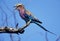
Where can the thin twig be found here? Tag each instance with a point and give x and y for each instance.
(46, 37)
(58, 38)
(14, 17)
(25, 26)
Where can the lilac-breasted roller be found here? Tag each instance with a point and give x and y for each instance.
(28, 17)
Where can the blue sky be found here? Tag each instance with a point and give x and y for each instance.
(47, 11)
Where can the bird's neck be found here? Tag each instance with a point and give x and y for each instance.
(22, 11)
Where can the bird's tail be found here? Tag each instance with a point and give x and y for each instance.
(44, 28)
(36, 20)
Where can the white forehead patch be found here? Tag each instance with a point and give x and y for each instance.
(18, 4)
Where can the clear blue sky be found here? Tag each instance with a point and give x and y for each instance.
(47, 11)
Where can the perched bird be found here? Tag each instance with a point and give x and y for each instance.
(27, 16)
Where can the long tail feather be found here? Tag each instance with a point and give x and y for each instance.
(44, 28)
(36, 20)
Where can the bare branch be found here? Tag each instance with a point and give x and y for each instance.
(58, 38)
(46, 37)
(14, 30)
(11, 30)
(27, 24)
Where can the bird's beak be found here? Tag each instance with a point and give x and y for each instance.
(15, 7)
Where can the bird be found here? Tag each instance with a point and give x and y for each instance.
(27, 16)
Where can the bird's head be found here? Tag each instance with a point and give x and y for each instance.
(19, 6)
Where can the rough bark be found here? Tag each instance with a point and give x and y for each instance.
(11, 30)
